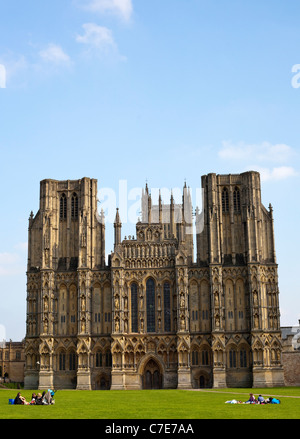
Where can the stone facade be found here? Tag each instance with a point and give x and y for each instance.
(12, 361)
(153, 317)
(291, 355)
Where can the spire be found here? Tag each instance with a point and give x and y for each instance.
(117, 219)
(172, 218)
(149, 208)
(271, 209)
(118, 228)
(172, 198)
(159, 207)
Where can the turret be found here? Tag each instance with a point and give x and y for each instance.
(118, 228)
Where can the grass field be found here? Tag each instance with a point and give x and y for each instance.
(155, 404)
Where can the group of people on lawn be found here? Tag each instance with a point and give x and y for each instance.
(253, 400)
(45, 398)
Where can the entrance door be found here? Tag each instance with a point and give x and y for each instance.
(152, 378)
(202, 382)
(102, 383)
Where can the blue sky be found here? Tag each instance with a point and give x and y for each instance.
(137, 89)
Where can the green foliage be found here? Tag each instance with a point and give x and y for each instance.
(155, 404)
(13, 385)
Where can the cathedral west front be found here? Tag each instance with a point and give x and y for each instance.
(166, 310)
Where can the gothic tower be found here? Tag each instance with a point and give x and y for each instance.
(237, 244)
(66, 243)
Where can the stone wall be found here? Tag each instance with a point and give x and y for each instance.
(291, 368)
(291, 355)
(12, 361)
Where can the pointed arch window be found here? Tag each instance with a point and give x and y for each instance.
(225, 200)
(62, 361)
(205, 358)
(236, 200)
(99, 359)
(63, 207)
(243, 358)
(150, 298)
(134, 308)
(72, 361)
(74, 206)
(232, 358)
(167, 307)
(108, 359)
(195, 358)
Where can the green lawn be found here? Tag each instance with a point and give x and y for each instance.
(155, 404)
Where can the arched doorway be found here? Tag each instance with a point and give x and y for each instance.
(202, 380)
(102, 383)
(152, 377)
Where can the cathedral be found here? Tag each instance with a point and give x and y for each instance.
(190, 301)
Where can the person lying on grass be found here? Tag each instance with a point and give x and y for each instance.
(252, 400)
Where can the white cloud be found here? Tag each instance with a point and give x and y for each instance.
(272, 161)
(279, 153)
(278, 173)
(96, 36)
(43, 62)
(54, 54)
(14, 65)
(99, 41)
(120, 8)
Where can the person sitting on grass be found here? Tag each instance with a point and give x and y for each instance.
(48, 398)
(251, 399)
(19, 399)
(33, 399)
(44, 398)
(261, 400)
(39, 399)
